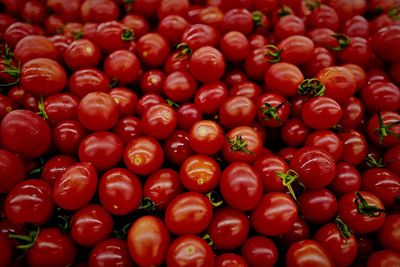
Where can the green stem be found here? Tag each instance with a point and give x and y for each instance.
(273, 53)
(312, 87)
(215, 199)
(147, 204)
(366, 209)
(343, 41)
(385, 130)
(41, 107)
(271, 112)
(287, 179)
(238, 144)
(30, 239)
(373, 163)
(344, 230)
(184, 51)
(206, 237)
(127, 35)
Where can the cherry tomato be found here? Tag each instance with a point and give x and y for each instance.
(391, 159)
(296, 49)
(234, 46)
(188, 114)
(206, 137)
(177, 147)
(210, 96)
(179, 86)
(347, 179)
(67, 136)
(384, 258)
(318, 206)
(354, 146)
(128, 128)
(152, 49)
(110, 252)
(82, 53)
(230, 260)
(122, 66)
(260, 251)
(237, 111)
(326, 140)
(308, 253)
(159, 121)
(298, 232)
(383, 128)
(209, 58)
(283, 78)
(6, 248)
(273, 110)
(269, 167)
(87, 80)
(34, 46)
(321, 113)
(55, 167)
(385, 42)
(12, 170)
(60, 107)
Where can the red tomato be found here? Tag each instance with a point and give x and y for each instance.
(260, 251)
(318, 206)
(209, 58)
(273, 110)
(82, 53)
(67, 136)
(308, 253)
(387, 234)
(237, 111)
(269, 167)
(283, 78)
(179, 86)
(326, 140)
(159, 121)
(296, 49)
(110, 252)
(384, 258)
(88, 80)
(383, 128)
(230, 260)
(298, 232)
(6, 248)
(122, 66)
(206, 137)
(177, 147)
(12, 170)
(321, 113)
(55, 167)
(385, 42)
(152, 49)
(347, 179)
(34, 46)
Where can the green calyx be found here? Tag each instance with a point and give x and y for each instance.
(184, 51)
(147, 204)
(312, 87)
(273, 53)
(41, 107)
(371, 162)
(287, 179)
(238, 144)
(28, 240)
(215, 199)
(344, 230)
(271, 112)
(127, 35)
(343, 41)
(385, 129)
(366, 209)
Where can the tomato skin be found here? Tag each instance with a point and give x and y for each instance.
(87, 80)
(384, 258)
(67, 136)
(347, 179)
(177, 147)
(200, 173)
(321, 113)
(54, 167)
(289, 25)
(152, 49)
(373, 126)
(159, 121)
(76, 186)
(122, 66)
(209, 58)
(260, 251)
(60, 107)
(34, 46)
(354, 146)
(16, 31)
(148, 241)
(353, 113)
(274, 215)
(315, 167)
(240, 179)
(200, 35)
(188, 213)
(82, 53)
(237, 111)
(283, 78)
(98, 11)
(387, 234)
(90, 225)
(119, 191)
(190, 250)
(6, 249)
(296, 49)
(206, 137)
(162, 187)
(12, 170)
(323, 16)
(179, 86)
(256, 64)
(268, 166)
(298, 232)
(326, 140)
(126, 100)
(151, 81)
(110, 252)
(143, 155)
(318, 206)
(25, 133)
(385, 42)
(308, 253)
(246, 88)
(210, 96)
(172, 27)
(381, 96)
(357, 221)
(234, 46)
(392, 159)
(230, 260)
(29, 202)
(102, 149)
(188, 114)
(228, 222)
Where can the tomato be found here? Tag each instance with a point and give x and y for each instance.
(354, 146)
(361, 211)
(289, 25)
(98, 111)
(260, 251)
(356, 26)
(177, 147)
(122, 66)
(90, 225)
(151, 81)
(161, 187)
(126, 100)
(200, 35)
(228, 222)
(102, 149)
(391, 159)
(188, 213)
(269, 167)
(6, 248)
(382, 183)
(29, 202)
(16, 31)
(315, 167)
(143, 155)
(112, 36)
(353, 113)
(168, 7)
(259, 61)
(246, 88)
(87, 80)
(321, 113)
(323, 16)
(283, 78)
(387, 233)
(236, 111)
(294, 132)
(82, 53)
(179, 86)
(318, 206)
(190, 250)
(298, 232)
(119, 191)
(234, 46)
(172, 27)
(12, 170)
(55, 167)
(328, 141)
(240, 179)
(320, 58)
(60, 107)
(384, 258)
(152, 49)
(383, 128)
(98, 10)
(34, 46)
(273, 110)
(347, 179)
(381, 96)
(206, 137)
(308, 253)
(67, 136)
(188, 114)
(76, 186)
(230, 260)
(296, 49)
(209, 58)
(359, 74)
(110, 252)
(148, 241)
(385, 42)
(274, 214)
(159, 121)
(200, 173)
(25, 133)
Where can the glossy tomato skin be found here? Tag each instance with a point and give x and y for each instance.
(206, 137)
(159, 121)
(283, 78)
(110, 252)
(188, 213)
(188, 114)
(152, 49)
(210, 96)
(87, 80)
(274, 215)
(296, 49)
(387, 233)
(172, 27)
(128, 128)
(122, 66)
(384, 258)
(60, 107)
(268, 167)
(82, 53)
(347, 179)
(381, 96)
(230, 260)
(308, 253)
(373, 127)
(326, 140)
(321, 113)
(67, 136)
(112, 35)
(260, 251)
(143, 155)
(126, 100)
(209, 58)
(90, 225)
(237, 111)
(76, 186)
(318, 206)
(6, 248)
(190, 250)
(179, 86)
(12, 170)
(315, 167)
(25, 133)
(102, 149)
(54, 167)
(29, 202)
(294, 132)
(299, 231)
(162, 187)
(148, 241)
(200, 173)
(392, 159)
(177, 147)
(351, 215)
(385, 41)
(273, 110)
(234, 46)
(34, 46)
(241, 186)
(151, 81)
(228, 222)
(200, 35)
(354, 146)
(119, 191)
(353, 113)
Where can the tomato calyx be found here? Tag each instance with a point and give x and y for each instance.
(184, 51)
(366, 209)
(7, 54)
(343, 41)
(372, 162)
(311, 5)
(42, 111)
(127, 35)
(123, 232)
(284, 11)
(385, 129)
(238, 145)
(272, 52)
(394, 13)
(147, 204)
(257, 17)
(28, 240)
(13, 71)
(312, 87)
(206, 237)
(37, 171)
(344, 230)
(215, 199)
(77, 35)
(271, 112)
(172, 103)
(287, 179)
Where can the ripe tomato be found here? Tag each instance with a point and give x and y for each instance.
(188, 213)
(361, 211)
(294, 132)
(148, 241)
(60, 107)
(260, 251)
(119, 191)
(298, 232)
(152, 49)
(385, 42)
(273, 110)
(269, 167)
(392, 158)
(12, 170)
(210, 96)
(6, 248)
(321, 112)
(34, 46)
(67, 136)
(87, 80)
(179, 86)
(82, 53)
(308, 253)
(354, 146)
(200, 35)
(328, 141)
(76, 186)
(283, 78)
(237, 111)
(177, 147)
(159, 121)
(122, 66)
(209, 58)
(172, 27)
(381, 96)
(347, 179)
(230, 260)
(206, 137)
(234, 46)
(387, 234)
(200, 173)
(318, 206)
(188, 114)
(126, 100)
(110, 252)
(384, 258)
(383, 128)
(151, 81)
(296, 49)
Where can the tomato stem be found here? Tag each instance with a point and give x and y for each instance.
(29, 239)
(287, 179)
(147, 204)
(42, 111)
(311, 87)
(127, 35)
(343, 41)
(271, 112)
(206, 237)
(172, 103)
(215, 199)
(284, 11)
(385, 130)
(273, 52)
(13, 71)
(239, 145)
(184, 51)
(344, 230)
(394, 13)
(257, 17)
(77, 34)
(371, 162)
(366, 209)
(121, 233)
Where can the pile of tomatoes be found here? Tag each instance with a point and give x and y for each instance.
(226, 133)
